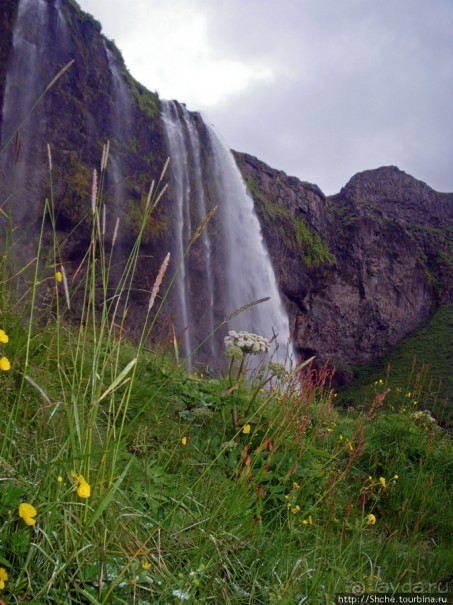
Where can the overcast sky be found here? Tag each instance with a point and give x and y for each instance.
(321, 89)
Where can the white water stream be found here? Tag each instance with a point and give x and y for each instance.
(39, 38)
(119, 132)
(241, 255)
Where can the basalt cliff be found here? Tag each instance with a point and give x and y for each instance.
(360, 269)
(357, 271)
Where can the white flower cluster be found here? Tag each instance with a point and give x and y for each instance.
(424, 418)
(245, 342)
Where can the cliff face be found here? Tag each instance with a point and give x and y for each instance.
(75, 117)
(95, 101)
(358, 270)
(361, 269)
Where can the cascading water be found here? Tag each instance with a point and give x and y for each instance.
(186, 176)
(119, 128)
(119, 132)
(39, 37)
(249, 272)
(237, 268)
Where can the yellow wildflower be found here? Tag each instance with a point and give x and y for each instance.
(5, 364)
(4, 338)
(146, 565)
(296, 485)
(83, 488)
(3, 577)
(27, 512)
(59, 276)
(330, 430)
(350, 448)
(295, 509)
(184, 440)
(246, 429)
(382, 481)
(371, 519)
(308, 521)
(60, 479)
(395, 476)
(341, 437)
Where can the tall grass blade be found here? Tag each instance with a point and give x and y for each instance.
(105, 501)
(118, 380)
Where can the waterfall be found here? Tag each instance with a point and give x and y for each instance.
(119, 128)
(236, 266)
(249, 272)
(225, 268)
(39, 42)
(188, 192)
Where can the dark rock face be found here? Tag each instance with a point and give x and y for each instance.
(8, 11)
(400, 196)
(375, 258)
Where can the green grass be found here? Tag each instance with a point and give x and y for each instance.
(417, 370)
(265, 517)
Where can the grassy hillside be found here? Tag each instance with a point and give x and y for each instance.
(418, 370)
(124, 479)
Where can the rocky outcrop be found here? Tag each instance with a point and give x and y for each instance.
(361, 269)
(400, 196)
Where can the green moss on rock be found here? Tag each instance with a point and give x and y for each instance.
(293, 232)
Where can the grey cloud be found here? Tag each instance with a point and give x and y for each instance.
(357, 84)
(371, 85)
